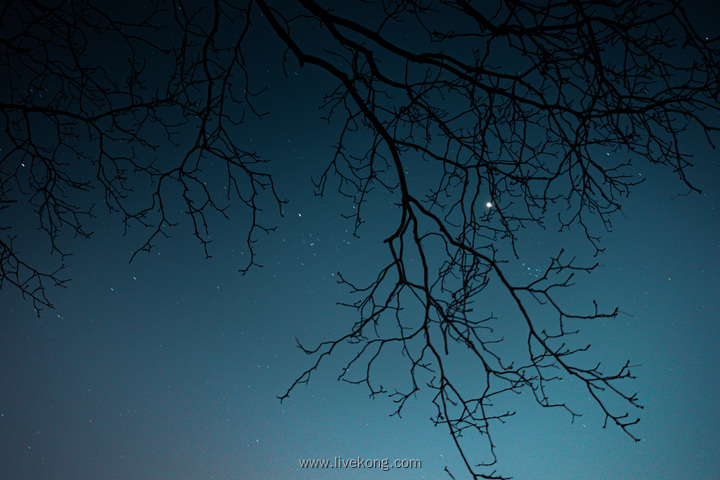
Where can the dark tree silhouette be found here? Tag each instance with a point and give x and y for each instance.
(519, 114)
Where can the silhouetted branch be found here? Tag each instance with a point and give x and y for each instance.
(518, 114)
(479, 119)
(145, 112)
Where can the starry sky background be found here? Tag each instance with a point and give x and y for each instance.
(169, 367)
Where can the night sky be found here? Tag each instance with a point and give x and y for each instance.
(169, 367)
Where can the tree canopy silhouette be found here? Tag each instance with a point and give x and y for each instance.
(520, 114)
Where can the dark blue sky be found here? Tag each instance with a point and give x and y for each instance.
(169, 367)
